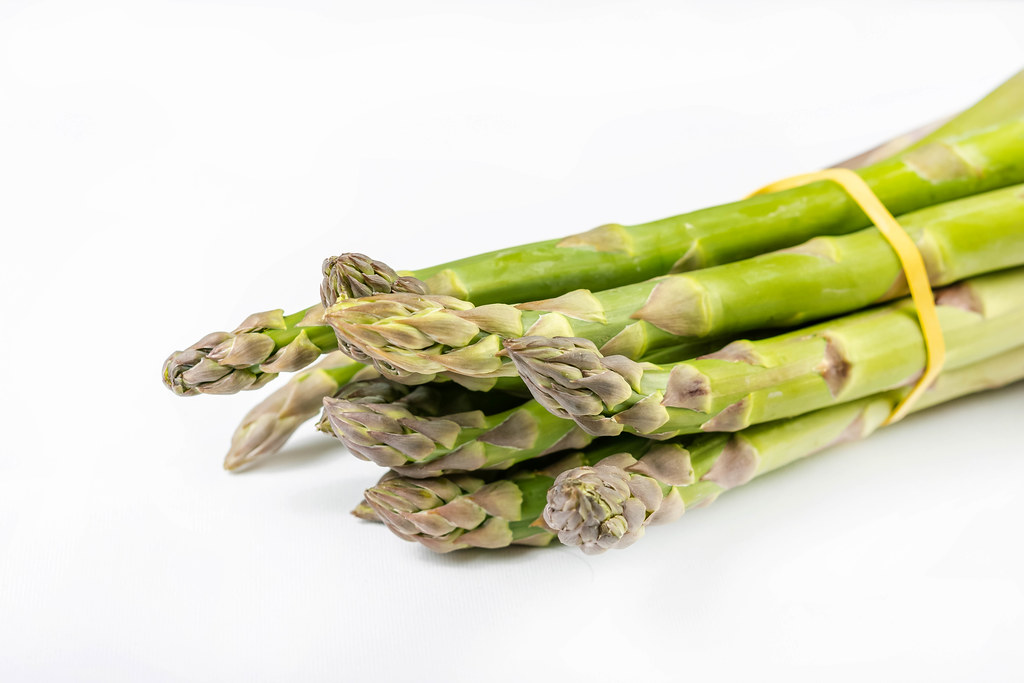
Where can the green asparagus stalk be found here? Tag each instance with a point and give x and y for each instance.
(614, 255)
(253, 354)
(425, 401)
(609, 505)
(1003, 104)
(393, 435)
(751, 382)
(478, 510)
(266, 428)
(826, 276)
(271, 342)
(606, 495)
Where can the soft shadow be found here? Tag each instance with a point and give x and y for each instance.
(295, 456)
(478, 557)
(336, 497)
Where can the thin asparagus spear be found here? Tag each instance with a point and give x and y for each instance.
(610, 504)
(478, 510)
(750, 382)
(270, 423)
(826, 276)
(352, 275)
(414, 445)
(464, 511)
(1003, 104)
(614, 255)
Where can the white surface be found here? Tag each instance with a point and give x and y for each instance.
(167, 168)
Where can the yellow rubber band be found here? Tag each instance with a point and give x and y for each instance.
(913, 267)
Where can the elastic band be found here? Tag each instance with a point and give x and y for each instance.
(913, 267)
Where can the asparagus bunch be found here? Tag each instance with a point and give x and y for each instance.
(655, 355)
(419, 335)
(605, 257)
(748, 382)
(606, 495)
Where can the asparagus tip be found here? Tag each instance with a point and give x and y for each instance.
(572, 379)
(600, 507)
(352, 275)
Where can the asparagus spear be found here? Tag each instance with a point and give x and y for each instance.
(614, 255)
(589, 493)
(416, 445)
(477, 510)
(824, 277)
(425, 401)
(610, 504)
(270, 423)
(1003, 104)
(750, 382)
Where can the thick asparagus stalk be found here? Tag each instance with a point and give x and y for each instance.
(478, 510)
(1003, 104)
(610, 504)
(269, 425)
(614, 255)
(751, 382)
(824, 277)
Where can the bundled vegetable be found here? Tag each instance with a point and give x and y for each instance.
(606, 257)
(418, 335)
(588, 387)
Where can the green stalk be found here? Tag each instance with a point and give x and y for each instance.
(615, 255)
(1003, 104)
(827, 276)
(610, 505)
(749, 382)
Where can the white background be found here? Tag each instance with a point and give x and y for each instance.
(168, 167)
